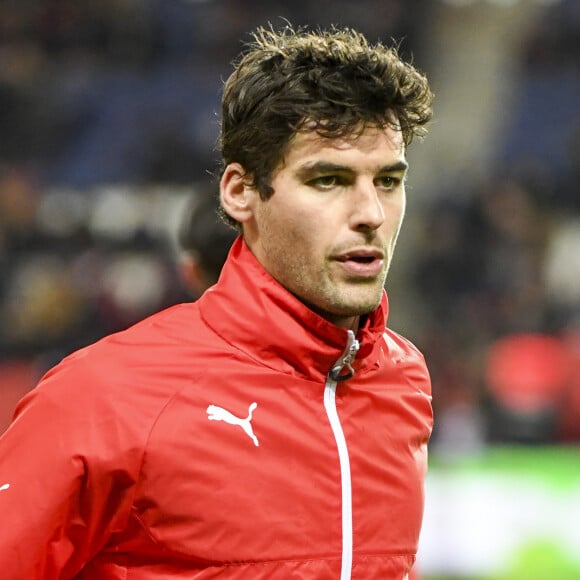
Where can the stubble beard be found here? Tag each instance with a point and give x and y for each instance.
(344, 298)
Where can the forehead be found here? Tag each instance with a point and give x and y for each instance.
(384, 144)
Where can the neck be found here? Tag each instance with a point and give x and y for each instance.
(349, 322)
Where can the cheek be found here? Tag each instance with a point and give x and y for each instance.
(296, 223)
(283, 238)
(394, 214)
(299, 243)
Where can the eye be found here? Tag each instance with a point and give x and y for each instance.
(388, 182)
(326, 181)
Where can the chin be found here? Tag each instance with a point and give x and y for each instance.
(357, 309)
(350, 301)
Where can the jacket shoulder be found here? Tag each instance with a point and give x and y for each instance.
(126, 374)
(403, 353)
(401, 347)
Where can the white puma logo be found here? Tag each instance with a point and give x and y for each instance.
(4, 487)
(218, 414)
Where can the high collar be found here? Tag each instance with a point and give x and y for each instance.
(255, 314)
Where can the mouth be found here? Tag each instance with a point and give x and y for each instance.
(362, 256)
(362, 263)
(359, 259)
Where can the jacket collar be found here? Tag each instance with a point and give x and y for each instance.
(255, 314)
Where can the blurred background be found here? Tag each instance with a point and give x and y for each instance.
(109, 116)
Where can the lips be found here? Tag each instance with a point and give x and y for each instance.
(362, 255)
(362, 262)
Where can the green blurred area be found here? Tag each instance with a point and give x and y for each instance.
(552, 474)
(558, 466)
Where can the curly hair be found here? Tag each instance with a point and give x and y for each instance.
(330, 81)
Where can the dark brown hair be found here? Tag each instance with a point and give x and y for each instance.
(331, 81)
(203, 234)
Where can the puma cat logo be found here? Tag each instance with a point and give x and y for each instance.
(218, 414)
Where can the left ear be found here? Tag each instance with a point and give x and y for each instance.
(235, 194)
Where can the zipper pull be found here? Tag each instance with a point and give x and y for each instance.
(338, 372)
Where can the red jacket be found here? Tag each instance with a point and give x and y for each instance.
(210, 441)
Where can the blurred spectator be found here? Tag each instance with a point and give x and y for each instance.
(553, 44)
(204, 240)
(527, 375)
(562, 270)
(568, 422)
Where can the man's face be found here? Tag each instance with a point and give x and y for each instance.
(328, 232)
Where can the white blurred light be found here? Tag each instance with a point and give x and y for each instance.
(562, 263)
(135, 282)
(61, 212)
(117, 213)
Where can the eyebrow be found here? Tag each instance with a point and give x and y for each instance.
(324, 167)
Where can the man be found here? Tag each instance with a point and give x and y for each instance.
(204, 242)
(274, 428)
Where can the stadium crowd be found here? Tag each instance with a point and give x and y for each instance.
(107, 128)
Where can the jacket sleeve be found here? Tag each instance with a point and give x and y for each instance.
(67, 477)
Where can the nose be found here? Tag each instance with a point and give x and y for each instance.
(367, 212)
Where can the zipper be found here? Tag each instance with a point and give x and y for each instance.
(346, 359)
(335, 376)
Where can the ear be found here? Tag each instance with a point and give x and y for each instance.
(235, 194)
